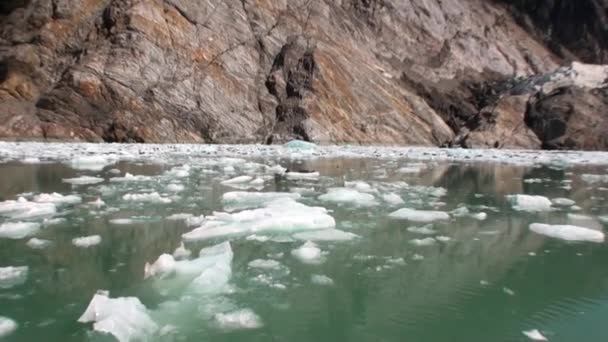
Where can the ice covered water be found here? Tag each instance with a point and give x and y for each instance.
(301, 243)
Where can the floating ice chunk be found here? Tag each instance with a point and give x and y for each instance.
(265, 264)
(603, 218)
(576, 208)
(257, 181)
(420, 215)
(98, 203)
(122, 221)
(279, 215)
(308, 253)
(592, 179)
(36, 243)
(30, 160)
(150, 197)
(23, 208)
(217, 271)
(18, 230)
(86, 241)
(130, 178)
(443, 238)
(238, 180)
(12, 276)
(423, 242)
(181, 252)
(229, 169)
(409, 169)
(535, 335)
(255, 237)
(392, 199)
(300, 145)
(302, 175)
(568, 232)
(276, 169)
(237, 200)
(125, 318)
(417, 257)
(174, 187)
(508, 291)
(326, 235)
(349, 196)
(180, 216)
(530, 203)
(7, 326)
(91, 163)
(322, 280)
(579, 217)
(83, 180)
(179, 172)
(195, 220)
(163, 266)
(359, 186)
(57, 198)
(424, 230)
(239, 319)
(564, 202)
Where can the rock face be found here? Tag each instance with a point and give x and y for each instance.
(425, 72)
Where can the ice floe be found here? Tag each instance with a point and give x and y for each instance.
(563, 202)
(163, 266)
(423, 242)
(181, 252)
(267, 264)
(179, 216)
(36, 243)
(325, 235)
(125, 318)
(464, 212)
(592, 179)
(300, 145)
(320, 279)
(22, 208)
(150, 197)
(349, 196)
(530, 203)
(91, 163)
(237, 200)
(568, 232)
(7, 326)
(18, 230)
(57, 198)
(239, 319)
(424, 230)
(534, 335)
(86, 241)
(238, 180)
(130, 178)
(302, 175)
(284, 215)
(174, 187)
(83, 180)
(392, 199)
(308, 253)
(11, 276)
(420, 215)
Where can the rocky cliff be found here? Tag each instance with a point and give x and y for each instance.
(479, 73)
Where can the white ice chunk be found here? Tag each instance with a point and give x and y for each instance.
(150, 197)
(122, 221)
(30, 160)
(423, 242)
(603, 218)
(267, 264)
(86, 241)
(392, 199)
(529, 203)
(130, 178)
(18, 230)
(36, 243)
(302, 175)
(257, 181)
(217, 271)
(464, 211)
(179, 172)
(11, 276)
(7, 326)
(568, 232)
(238, 180)
(179, 216)
(181, 252)
(239, 319)
(163, 266)
(23, 208)
(320, 279)
(349, 196)
(564, 202)
(174, 187)
(57, 198)
(592, 179)
(237, 200)
(326, 235)
(83, 180)
(424, 230)
(98, 203)
(300, 145)
(535, 335)
(308, 253)
(420, 215)
(359, 186)
(195, 220)
(279, 215)
(126, 318)
(443, 238)
(91, 163)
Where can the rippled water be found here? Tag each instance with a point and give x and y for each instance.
(466, 279)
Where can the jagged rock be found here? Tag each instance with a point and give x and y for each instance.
(422, 72)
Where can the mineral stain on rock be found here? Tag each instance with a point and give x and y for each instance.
(472, 73)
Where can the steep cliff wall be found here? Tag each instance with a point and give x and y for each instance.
(330, 71)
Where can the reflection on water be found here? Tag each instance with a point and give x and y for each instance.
(490, 281)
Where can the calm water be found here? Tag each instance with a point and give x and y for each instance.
(490, 281)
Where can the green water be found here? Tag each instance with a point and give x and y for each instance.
(492, 280)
